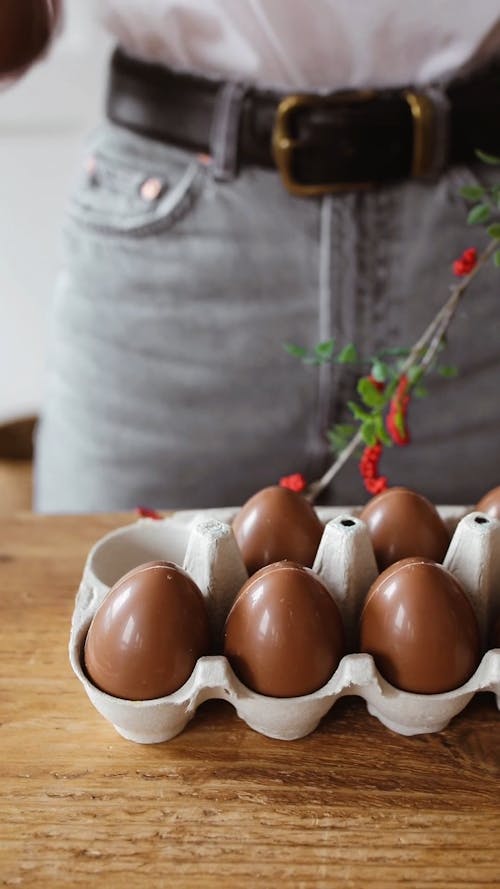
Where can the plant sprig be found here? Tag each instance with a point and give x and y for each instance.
(323, 353)
(486, 201)
(376, 389)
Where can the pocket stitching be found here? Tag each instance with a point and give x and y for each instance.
(140, 223)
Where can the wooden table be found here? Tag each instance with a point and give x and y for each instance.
(220, 805)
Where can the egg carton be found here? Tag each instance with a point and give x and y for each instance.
(204, 545)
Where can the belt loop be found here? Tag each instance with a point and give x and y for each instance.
(441, 142)
(224, 132)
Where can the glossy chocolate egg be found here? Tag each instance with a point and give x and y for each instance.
(277, 523)
(420, 627)
(284, 634)
(403, 523)
(147, 634)
(490, 503)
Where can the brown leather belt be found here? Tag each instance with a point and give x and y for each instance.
(319, 143)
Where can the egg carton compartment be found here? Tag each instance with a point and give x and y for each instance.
(203, 544)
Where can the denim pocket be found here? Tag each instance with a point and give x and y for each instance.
(132, 186)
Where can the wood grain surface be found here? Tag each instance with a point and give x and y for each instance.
(352, 805)
(16, 485)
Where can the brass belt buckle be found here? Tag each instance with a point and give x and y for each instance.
(284, 144)
(422, 113)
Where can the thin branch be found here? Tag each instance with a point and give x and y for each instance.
(450, 307)
(314, 489)
(428, 344)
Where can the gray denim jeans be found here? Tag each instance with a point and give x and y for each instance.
(168, 384)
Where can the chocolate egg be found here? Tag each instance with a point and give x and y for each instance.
(403, 523)
(147, 634)
(284, 634)
(490, 503)
(420, 627)
(277, 523)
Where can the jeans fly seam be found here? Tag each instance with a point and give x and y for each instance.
(325, 308)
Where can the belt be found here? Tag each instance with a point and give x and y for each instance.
(319, 143)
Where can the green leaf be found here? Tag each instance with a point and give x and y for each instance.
(472, 192)
(496, 259)
(479, 213)
(448, 370)
(358, 411)
(487, 158)
(369, 393)
(420, 392)
(380, 371)
(381, 431)
(494, 231)
(345, 430)
(324, 350)
(399, 422)
(340, 435)
(368, 432)
(393, 351)
(415, 374)
(295, 351)
(311, 360)
(348, 355)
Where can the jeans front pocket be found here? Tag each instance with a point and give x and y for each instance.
(131, 186)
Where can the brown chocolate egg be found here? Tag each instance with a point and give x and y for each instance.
(147, 634)
(420, 628)
(284, 635)
(277, 523)
(490, 503)
(403, 523)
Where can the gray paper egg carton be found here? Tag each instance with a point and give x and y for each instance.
(204, 544)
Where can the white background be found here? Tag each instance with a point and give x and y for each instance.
(43, 118)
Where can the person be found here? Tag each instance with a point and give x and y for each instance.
(194, 252)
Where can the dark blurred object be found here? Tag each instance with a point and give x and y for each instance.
(26, 29)
(16, 439)
(16, 468)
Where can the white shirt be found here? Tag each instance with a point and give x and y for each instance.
(313, 44)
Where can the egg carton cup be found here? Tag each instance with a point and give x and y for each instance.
(204, 545)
